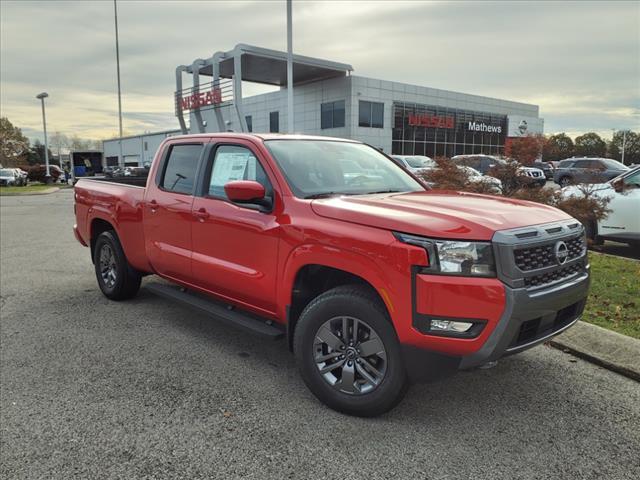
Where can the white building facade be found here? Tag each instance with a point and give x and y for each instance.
(395, 117)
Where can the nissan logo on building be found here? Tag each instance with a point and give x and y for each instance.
(523, 127)
(562, 252)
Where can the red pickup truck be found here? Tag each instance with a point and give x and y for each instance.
(375, 280)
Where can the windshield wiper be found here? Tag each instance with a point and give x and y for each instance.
(323, 195)
(382, 191)
(328, 194)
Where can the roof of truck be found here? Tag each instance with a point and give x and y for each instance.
(262, 136)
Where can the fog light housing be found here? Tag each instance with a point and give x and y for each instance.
(450, 326)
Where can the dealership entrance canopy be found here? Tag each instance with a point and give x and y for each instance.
(249, 64)
(396, 117)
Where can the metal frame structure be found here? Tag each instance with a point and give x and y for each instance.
(252, 64)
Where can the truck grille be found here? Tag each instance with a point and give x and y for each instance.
(535, 257)
(554, 276)
(541, 256)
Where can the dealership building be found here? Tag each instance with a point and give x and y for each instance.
(329, 100)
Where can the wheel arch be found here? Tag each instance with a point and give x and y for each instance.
(97, 226)
(318, 270)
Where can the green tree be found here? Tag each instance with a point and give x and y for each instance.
(36, 154)
(590, 145)
(631, 147)
(557, 147)
(14, 146)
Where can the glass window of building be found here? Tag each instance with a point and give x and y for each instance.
(441, 131)
(332, 114)
(274, 122)
(371, 114)
(249, 121)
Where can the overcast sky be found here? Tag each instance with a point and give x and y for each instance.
(580, 61)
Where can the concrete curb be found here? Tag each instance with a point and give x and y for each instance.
(41, 192)
(603, 347)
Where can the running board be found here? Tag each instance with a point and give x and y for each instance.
(225, 313)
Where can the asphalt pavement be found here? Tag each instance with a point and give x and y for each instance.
(146, 389)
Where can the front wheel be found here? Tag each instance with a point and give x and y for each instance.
(116, 278)
(348, 353)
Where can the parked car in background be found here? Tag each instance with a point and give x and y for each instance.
(109, 171)
(622, 223)
(587, 170)
(9, 177)
(415, 163)
(484, 164)
(476, 177)
(37, 173)
(547, 168)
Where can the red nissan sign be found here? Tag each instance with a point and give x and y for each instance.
(431, 121)
(202, 99)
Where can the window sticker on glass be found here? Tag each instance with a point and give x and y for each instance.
(230, 166)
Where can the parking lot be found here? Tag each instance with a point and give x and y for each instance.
(148, 389)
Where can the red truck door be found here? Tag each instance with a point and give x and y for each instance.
(235, 247)
(167, 210)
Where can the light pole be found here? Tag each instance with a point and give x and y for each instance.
(115, 12)
(47, 175)
(289, 69)
(624, 142)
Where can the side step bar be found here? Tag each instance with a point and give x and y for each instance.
(225, 313)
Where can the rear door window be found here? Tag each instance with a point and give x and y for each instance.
(180, 168)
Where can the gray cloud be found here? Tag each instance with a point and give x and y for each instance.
(580, 61)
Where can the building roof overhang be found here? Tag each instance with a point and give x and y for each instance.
(266, 66)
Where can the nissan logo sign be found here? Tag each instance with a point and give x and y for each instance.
(562, 252)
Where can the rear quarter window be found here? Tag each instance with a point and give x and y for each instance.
(180, 168)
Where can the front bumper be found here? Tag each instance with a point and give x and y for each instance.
(529, 318)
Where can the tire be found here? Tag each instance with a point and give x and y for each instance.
(366, 394)
(116, 278)
(565, 181)
(591, 231)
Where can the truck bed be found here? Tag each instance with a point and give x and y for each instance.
(118, 203)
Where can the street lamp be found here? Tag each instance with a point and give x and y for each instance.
(47, 175)
(624, 141)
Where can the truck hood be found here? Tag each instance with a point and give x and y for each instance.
(440, 214)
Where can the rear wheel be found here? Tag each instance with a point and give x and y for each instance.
(565, 181)
(348, 353)
(116, 278)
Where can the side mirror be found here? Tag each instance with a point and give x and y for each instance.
(247, 191)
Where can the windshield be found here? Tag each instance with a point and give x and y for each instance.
(614, 164)
(324, 167)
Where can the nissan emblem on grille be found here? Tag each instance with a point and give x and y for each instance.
(562, 252)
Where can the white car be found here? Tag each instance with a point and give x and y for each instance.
(622, 224)
(484, 163)
(415, 163)
(10, 177)
(476, 177)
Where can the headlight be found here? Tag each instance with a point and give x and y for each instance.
(453, 257)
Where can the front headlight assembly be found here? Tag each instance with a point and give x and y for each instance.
(454, 257)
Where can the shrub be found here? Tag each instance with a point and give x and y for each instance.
(584, 206)
(448, 176)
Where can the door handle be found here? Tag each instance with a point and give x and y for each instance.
(201, 214)
(153, 206)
